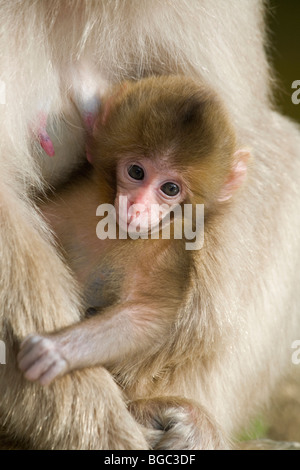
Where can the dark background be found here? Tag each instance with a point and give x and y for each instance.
(283, 20)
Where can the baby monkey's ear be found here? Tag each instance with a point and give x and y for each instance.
(237, 174)
(109, 103)
(95, 121)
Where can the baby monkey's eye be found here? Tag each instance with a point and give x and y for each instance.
(170, 189)
(136, 172)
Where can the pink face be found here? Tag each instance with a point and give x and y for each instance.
(151, 191)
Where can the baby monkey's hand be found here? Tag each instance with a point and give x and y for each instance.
(40, 359)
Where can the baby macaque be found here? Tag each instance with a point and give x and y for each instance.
(158, 144)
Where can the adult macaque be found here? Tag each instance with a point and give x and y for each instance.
(242, 312)
(161, 143)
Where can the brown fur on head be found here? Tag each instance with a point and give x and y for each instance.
(171, 119)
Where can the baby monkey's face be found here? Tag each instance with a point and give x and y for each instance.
(151, 191)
